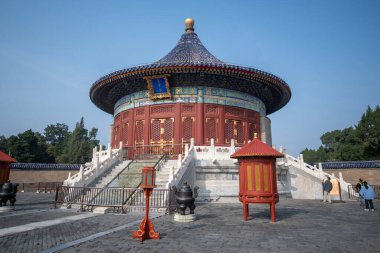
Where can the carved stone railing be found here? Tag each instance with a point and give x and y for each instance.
(317, 172)
(183, 165)
(192, 153)
(213, 152)
(102, 161)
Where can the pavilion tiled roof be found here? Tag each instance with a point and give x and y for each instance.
(6, 158)
(189, 50)
(256, 148)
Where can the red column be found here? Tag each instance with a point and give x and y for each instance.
(199, 124)
(246, 126)
(146, 124)
(177, 124)
(222, 125)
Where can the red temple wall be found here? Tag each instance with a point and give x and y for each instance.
(177, 123)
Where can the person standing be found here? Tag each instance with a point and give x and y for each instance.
(368, 195)
(357, 189)
(327, 187)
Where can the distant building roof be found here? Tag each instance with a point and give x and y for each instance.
(6, 158)
(351, 165)
(44, 166)
(256, 148)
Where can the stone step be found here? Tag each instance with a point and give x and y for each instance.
(163, 178)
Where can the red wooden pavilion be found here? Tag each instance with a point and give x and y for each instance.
(5, 160)
(257, 175)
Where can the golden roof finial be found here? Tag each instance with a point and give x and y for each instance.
(255, 136)
(189, 23)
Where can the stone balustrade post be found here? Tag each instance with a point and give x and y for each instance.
(171, 174)
(302, 165)
(186, 150)
(232, 148)
(94, 150)
(191, 142)
(340, 177)
(81, 174)
(212, 149)
(320, 170)
(179, 163)
(97, 165)
(109, 151)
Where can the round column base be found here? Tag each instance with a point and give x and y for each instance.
(5, 209)
(185, 218)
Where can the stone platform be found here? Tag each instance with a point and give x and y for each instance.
(302, 226)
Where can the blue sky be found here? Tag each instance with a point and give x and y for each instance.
(327, 51)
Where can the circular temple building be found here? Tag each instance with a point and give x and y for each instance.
(189, 93)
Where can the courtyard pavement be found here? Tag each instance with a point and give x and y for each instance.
(302, 226)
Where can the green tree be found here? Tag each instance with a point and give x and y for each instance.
(368, 132)
(78, 145)
(55, 136)
(361, 142)
(56, 133)
(29, 147)
(4, 144)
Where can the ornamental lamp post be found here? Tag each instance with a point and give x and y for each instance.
(146, 228)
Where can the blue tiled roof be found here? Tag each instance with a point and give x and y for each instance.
(44, 166)
(190, 61)
(351, 165)
(189, 50)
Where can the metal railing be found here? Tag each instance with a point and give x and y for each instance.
(159, 164)
(120, 200)
(354, 195)
(108, 196)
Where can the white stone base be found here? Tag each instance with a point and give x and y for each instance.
(4, 209)
(100, 209)
(184, 218)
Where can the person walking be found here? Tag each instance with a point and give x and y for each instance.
(368, 195)
(357, 189)
(327, 187)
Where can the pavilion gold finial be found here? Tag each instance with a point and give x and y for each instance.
(189, 23)
(255, 136)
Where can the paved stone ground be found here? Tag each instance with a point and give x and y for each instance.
(302, 226)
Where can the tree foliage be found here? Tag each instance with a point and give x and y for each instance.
(361, 142)
(55, 136)
(78, 145)
(57, 144)
(29, 147)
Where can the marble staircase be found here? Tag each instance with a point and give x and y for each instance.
(162, 175)
(107, 178)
